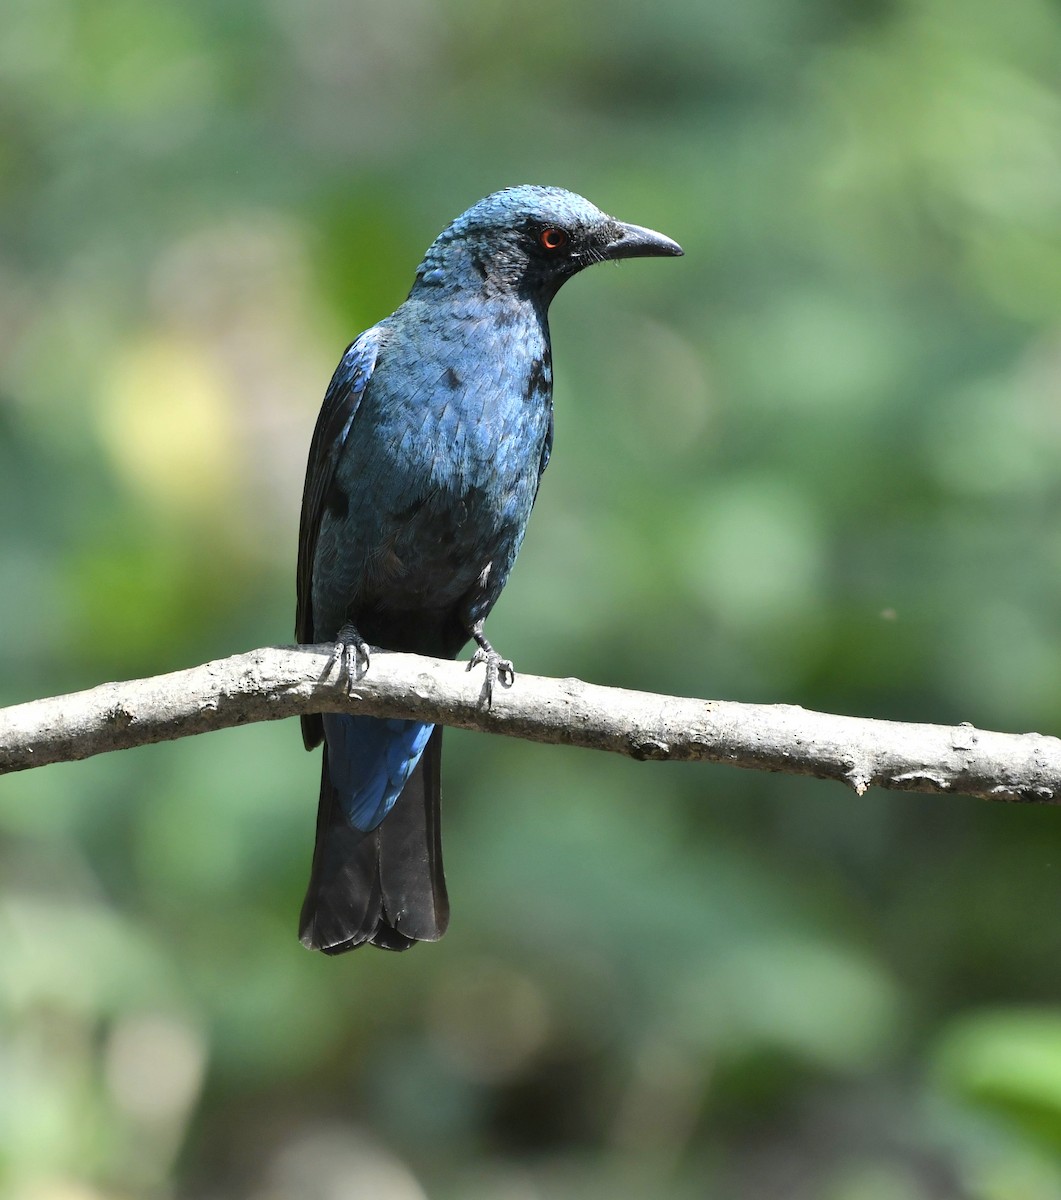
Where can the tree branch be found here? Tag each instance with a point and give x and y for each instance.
(276, 682)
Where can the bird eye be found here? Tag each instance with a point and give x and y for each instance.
(552, 239)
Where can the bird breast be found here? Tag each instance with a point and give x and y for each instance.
(442, 464)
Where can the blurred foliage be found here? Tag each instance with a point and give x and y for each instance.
(815, 461)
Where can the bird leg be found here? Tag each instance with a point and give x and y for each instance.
(498, 669)
(350, 652)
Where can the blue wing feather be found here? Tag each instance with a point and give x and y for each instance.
(369, 760)
(341, 404)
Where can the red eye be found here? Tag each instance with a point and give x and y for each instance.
(552, 239)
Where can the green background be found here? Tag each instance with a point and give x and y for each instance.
(816, 461)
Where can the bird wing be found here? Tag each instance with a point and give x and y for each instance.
(547, 451)
(341, 402)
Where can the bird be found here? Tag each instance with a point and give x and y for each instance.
(423, 468)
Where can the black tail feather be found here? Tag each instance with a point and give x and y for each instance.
(386, 887)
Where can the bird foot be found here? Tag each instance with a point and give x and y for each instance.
(498, 669)
(350, 653)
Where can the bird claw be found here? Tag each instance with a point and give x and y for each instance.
(350, 653)
(498, 670)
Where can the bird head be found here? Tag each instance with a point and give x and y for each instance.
(527, 241)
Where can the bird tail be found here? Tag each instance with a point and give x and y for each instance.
(377, 872)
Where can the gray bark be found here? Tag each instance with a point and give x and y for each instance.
(275, 682)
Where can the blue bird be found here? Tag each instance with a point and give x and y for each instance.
(423, 469)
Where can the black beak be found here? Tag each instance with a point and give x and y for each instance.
(632, 241)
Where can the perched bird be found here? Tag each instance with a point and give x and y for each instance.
(423, 470)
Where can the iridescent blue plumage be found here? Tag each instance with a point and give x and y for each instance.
(370, 761)
(423, 470)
